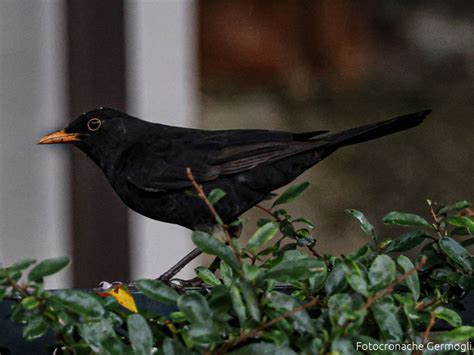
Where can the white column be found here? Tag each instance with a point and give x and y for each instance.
(161, 88)
(33, 179)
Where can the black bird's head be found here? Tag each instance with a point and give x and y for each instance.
(102, 134)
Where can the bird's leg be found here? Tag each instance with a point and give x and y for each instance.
(169, 274)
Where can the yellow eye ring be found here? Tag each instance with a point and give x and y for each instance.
(94, 124)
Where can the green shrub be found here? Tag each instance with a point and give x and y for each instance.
(373, 295)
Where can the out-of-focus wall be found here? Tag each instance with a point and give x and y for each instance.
(162, 88)
(334, 64)
(34, 212)
(61, 58)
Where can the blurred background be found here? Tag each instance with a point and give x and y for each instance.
(287, 65)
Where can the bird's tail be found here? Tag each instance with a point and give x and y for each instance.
(375, 130)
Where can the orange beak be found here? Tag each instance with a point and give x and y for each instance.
(59, 137)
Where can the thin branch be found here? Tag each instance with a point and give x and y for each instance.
(423, 306)
(313, 251)
(468, 212)
(430, 325)
(437, 222)
(257, 331)
(203, 196)
(22, 290)
(433, 214)
(215, 214)
(389, 289)
(269, 212)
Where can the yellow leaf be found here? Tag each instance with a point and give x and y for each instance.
(123, 296)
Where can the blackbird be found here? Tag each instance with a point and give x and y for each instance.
(146, 162)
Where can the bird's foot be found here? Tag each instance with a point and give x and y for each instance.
(180, 284)
(194, 282)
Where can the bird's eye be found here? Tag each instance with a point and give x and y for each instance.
(94, 124)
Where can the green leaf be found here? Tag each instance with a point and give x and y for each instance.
(286, 303)
(412, 281)
(101, 336)
(466, 282)
(305, 221)
(461, 221)
(262, 348)
(294, 270)
(48, 267)
(456, 252)
(157, 290)
(385, 314)
(433, 257)
(226, 273)
(381, 272)
(252, 272)
(30, 302)
(35, 328)
(251, 300)
(458, 206)
(313, 346)
(196, 309)
(304, 239)
(336, 281)
(211, 245)
(343, 346)
(460, 334)
(215, 196)
(356, 276)
(207, 276)
(175, 347)
(364, 223)
(406, 220)
(277, 337)
(178, 317)
(238, 304)
(263, 235)
(316, 281)
(22, 265)
(406, 242)
(291, 193)
(448, 315)
(140, 334)
(346, 309)
(440, 277)
(79, 302)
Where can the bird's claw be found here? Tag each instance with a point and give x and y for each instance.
(181, 284)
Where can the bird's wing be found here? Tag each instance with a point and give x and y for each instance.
(217, 156)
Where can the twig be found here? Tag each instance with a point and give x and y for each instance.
(256, 332)
(215, 214)
(203, 196)
(437, 222)
(391, 287)
(433, 214)
(313, 251)
(22, 290)
(269, 212)
(430, 325)
(423, 306)
(468, 212)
